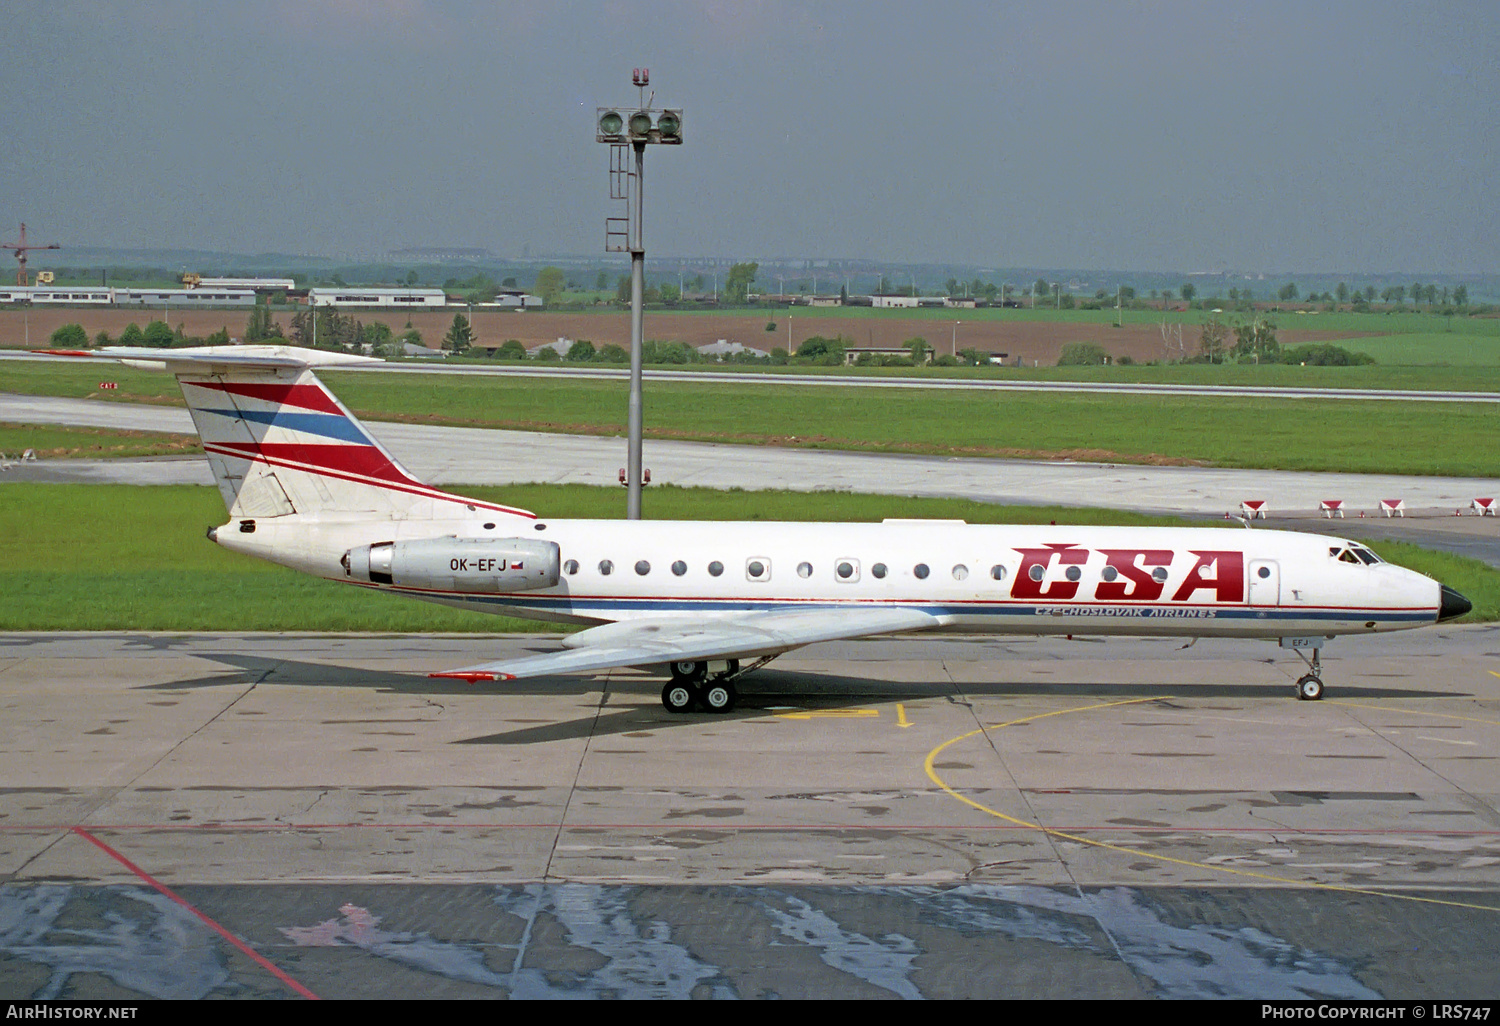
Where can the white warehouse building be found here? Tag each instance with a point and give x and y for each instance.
(404, 299)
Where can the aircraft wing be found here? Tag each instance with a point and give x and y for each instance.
(666, 640)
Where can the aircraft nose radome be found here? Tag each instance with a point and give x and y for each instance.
(1454, 605)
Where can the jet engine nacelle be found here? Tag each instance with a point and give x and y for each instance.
(469, 565)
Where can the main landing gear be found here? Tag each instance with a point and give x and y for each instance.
(704, 685)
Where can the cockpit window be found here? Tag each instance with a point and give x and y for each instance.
(1356, 554)
(1348, 556)
(1366, 556)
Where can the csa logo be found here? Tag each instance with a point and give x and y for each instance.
(1129, 575)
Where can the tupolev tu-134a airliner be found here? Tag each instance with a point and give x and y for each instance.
(308, 487)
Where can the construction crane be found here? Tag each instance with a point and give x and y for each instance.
(21, 249)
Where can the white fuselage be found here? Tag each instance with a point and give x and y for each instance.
(1190, 582)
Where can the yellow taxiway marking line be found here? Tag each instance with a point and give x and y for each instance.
(1414, 712)
(828, 714)
(901, 720)
(928, 765)
(1495, 673)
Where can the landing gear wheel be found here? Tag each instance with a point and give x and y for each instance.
(677, 698)
(689, 673)
(1309, 688)
(718, 697)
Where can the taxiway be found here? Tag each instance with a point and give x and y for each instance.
(220, 815)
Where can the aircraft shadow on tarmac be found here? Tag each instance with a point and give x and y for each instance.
(630, 698)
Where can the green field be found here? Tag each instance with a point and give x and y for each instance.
(116, 557)
(51, 441)
(1398, 437)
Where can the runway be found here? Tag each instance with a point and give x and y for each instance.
(264, 815)
(824, 380)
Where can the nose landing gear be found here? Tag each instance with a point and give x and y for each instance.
(1309, 688)
(1309, 685)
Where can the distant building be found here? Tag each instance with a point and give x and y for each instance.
(438, 255)
(253, 284)
(185, 299)
(55, 295)
(562, 346)
(517, 300)
(180, 299)
(853, 353)
(721, 349)
(401, 299)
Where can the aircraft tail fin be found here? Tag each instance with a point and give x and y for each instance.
(280, 443)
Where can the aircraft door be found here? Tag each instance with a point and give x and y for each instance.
(1265, 582)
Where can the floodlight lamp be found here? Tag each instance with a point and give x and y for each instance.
(640, 125)
(669, 125)
(610, 123)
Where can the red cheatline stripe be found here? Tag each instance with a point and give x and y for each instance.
(292, 984)
(415, 488)
(365, 460)
(308, 397)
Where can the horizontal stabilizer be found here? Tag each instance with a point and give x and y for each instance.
(281, 444)
(203, 357)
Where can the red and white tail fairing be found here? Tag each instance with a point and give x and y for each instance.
(281, 444)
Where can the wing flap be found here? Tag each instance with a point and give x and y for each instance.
(649, 642)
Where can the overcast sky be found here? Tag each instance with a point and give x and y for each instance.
(1273, 136)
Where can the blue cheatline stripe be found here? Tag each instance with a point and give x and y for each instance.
(587, 606)
(327, 425)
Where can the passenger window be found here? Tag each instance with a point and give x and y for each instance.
(1074, 574)
(1037, 572)
(960, 572)
(570, 567)
(679, 568)
(642, 567)
(758, 568)
(1109, 573)
(715, 568)
(920, 571)
(847, 570)
(879, 571)
(804, 569)
(998, 572)
(606, 567)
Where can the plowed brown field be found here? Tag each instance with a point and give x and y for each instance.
(1030, 340)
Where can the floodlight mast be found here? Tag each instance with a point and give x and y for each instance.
(644, 125)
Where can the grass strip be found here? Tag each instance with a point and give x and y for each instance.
(52, 441)
(120, 557)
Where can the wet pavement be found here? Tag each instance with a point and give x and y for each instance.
(72, 941)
